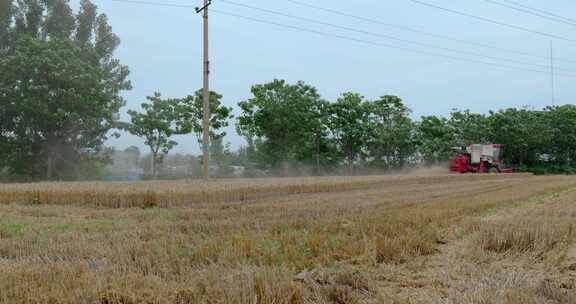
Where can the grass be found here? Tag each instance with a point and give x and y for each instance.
(9, 230)
(327, 240)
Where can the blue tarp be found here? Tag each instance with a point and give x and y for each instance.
(125, 178)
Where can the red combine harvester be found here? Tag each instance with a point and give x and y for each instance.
(479, 159)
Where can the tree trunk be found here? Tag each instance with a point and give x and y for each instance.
(49, 165)
(50, 157)
(350, 156)
(154, 173)
(317, 157)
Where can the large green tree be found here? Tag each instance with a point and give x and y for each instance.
(348, 121)
(285, 123)
(469, 128)
(391, 143)
(59, 87)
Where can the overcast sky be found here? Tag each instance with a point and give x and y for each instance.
(163, 48)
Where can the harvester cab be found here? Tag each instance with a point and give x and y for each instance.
(479, 158)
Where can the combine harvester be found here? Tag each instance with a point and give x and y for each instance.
(479, 159)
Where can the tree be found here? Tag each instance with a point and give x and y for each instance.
(164, 118)
(561, 133)
(191, 116)
(348, 124)
(284, 122)
(469, 128)
(62, 107)
(59, 22)
(391, 140)
(59, 92)
(7, 11)
(435, 137)
(156, 125)
(520, 130)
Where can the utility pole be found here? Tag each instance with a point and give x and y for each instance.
(552, 80)
(206, 93)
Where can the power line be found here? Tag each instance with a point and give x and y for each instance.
(530, 12)
(390, 37)
(516, 27)
(384, 44)
(297, 28)
(420, 32)
(540, 11)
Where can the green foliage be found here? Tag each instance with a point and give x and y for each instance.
(392, 138)
(560, 134)
(191, 115)
(59, 21)
(163, 118)
(542, 142)
(284, 124)
(435, 137)
(156, 125)
(7, 11)
(469, 128)
(59, 93)
(522, 131)
(348, 124)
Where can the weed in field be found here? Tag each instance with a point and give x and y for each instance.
(460, 232)
(489, 212)
(10, 230)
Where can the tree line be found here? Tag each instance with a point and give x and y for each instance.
(291, 124)
(60, 97)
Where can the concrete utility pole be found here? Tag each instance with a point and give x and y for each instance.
(206, 94)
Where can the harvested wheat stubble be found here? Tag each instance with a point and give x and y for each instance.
(520, 253)
(182, 193)
(327, 240)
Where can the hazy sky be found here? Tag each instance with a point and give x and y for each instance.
(163, 48)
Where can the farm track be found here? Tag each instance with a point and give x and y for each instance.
(391, 239)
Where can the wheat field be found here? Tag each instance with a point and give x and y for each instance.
(379, 239)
